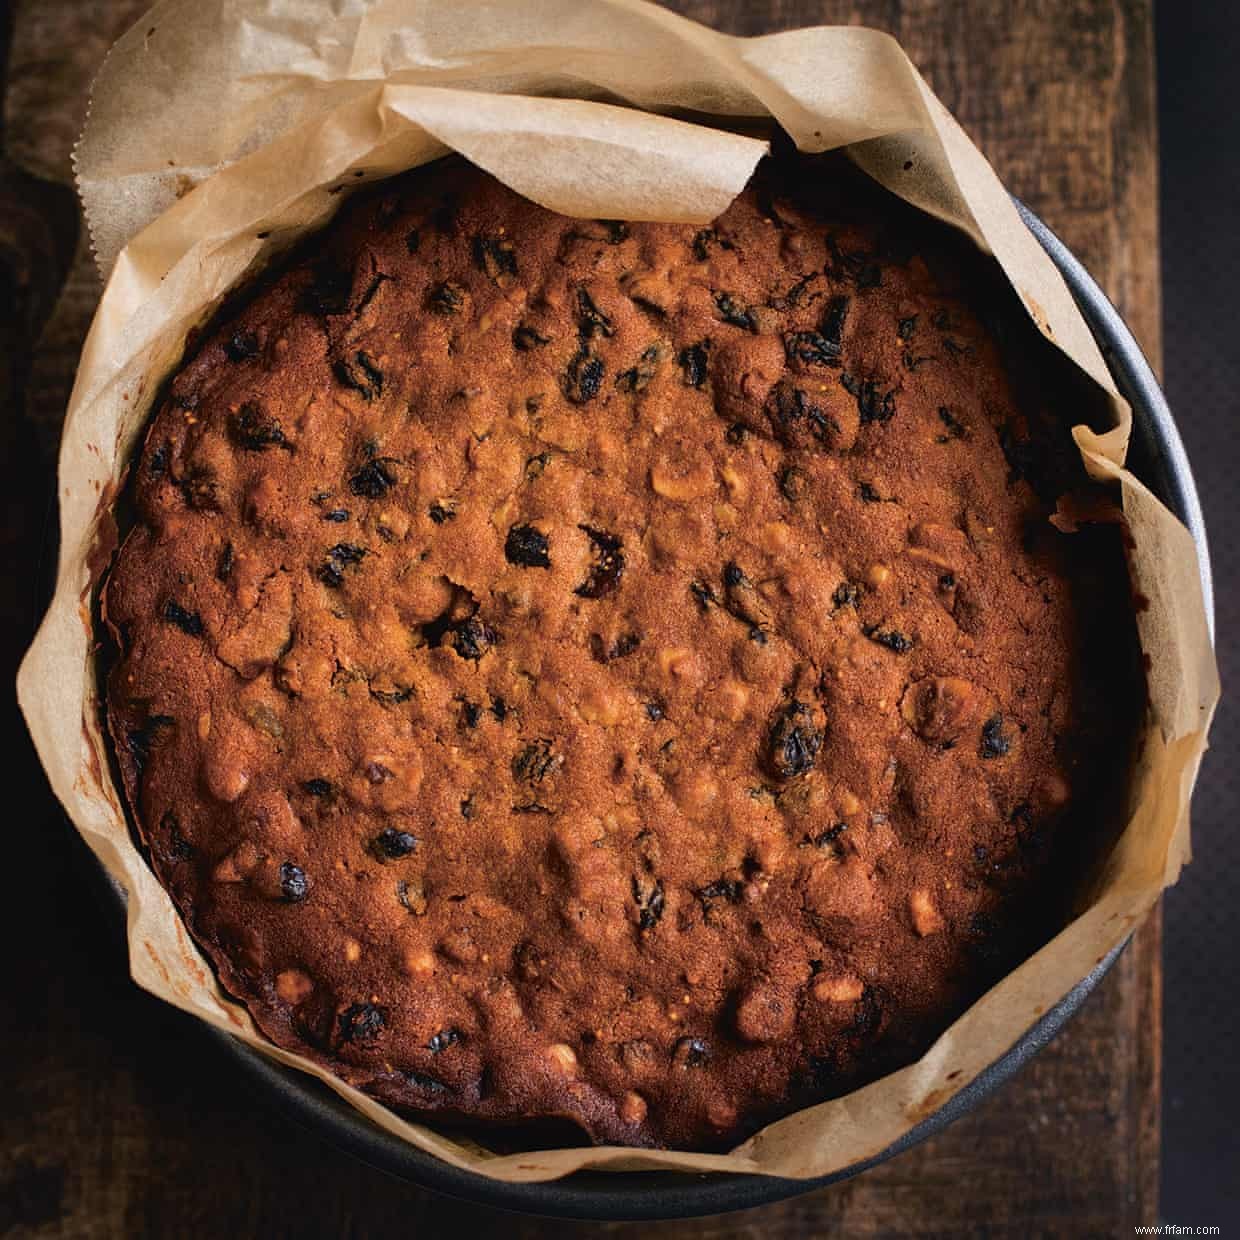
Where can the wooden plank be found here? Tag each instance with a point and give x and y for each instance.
(123, 1119)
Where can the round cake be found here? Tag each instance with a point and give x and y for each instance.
(618, 673)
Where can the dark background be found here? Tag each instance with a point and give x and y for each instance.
(1198, 45)
(118, 1117)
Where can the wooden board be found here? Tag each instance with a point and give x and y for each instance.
(121, 1119)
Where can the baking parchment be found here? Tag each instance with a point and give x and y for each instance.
(222, 130)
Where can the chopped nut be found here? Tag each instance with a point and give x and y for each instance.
(841, 989)
(293, 986)
(877, 575)
(563, 1057)
(418, 962)
(940, 708)
(676, 661)
(632, 1108)
(926, 918)
(682, 487)
(352, 950)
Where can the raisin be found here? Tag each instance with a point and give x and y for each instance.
(471, 713)
(525, 338)
(872, 406)
(179, 848)
(847, 594)
(622, 646)
(796, 295)
(692, 360)
(794, 742)
(497, 256)
(728, 889)
(535, 466)
(254, 430)
(744, 602)
(328, 292)
(691, 1053)
(187, 621)
(994, 743)
(636, 377)
(157, 462)
(319, 788)
(584, 377)
(391, 697)
(441, 511)
(413, 239)
(834, 318)
(394, 844)
(868, 494)
(442, 1040)
(241, 345)
(956, 429)
(527, 547)
(893, 639)
(734, 312)
(377, 773)
(704, 593)
(362, 1022)
(648, 896)
(340, 557)
(907, 327)
(225, 562)
(828, 837)
(336, 515)
(427, 1084)
(535, 762)
(446, 297)
(859, 266)
(591, 321)
(791, 410)
(703, 239)
(811, 349)
(736, 433)
(467, 808)
(362, 374)
(499, 708)
(373, 480)
(531, 807)
(793, 483)
(139, 741)
(293, 885)
(472, 638)
(654, 711)
(608, 567)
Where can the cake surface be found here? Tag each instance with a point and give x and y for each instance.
(621, 673)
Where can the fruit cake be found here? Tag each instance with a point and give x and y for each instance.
(618, 673)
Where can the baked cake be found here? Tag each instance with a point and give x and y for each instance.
(618, 673)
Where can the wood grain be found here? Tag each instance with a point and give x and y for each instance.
(122, 1119)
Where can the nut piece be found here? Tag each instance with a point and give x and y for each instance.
(632, 1108)
(682, 487)
(841, 989)
(926, 918)
(293, 986)
(563, 1057)
(940, 708)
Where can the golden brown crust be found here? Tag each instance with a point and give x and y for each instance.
(620, 672)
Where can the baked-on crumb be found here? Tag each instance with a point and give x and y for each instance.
(618, 672)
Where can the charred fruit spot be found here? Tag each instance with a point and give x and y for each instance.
(187, 621)
(608, 565)
(361, 373)
(362, 1023)
(527, 547)
(793, 743)
(253, 429)
(293, 884)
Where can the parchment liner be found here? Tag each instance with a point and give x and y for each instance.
(221, 130)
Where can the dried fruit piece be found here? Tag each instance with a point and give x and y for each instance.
(187, 621)
(495, 255)
(692, 360)
(591, 321)
(535, 762)
(743, 600)
(584, 377)
(319, 788)
(393, 844)
(412, 896)
(956, 429)
(608, 566)
(871, 405)
(241, 345)
(525, 338)
(442, 1040)
(691, 1052)
(806, 349)
(793, 742)
(293, 884)
(527, 547)
(732, 310)
(637, 377)
(361, 373)
(472, 638)
(649, 898)
(446, 297)
(362, 1023)
(893, 639)
(995, 742)
(253, 429)
(340, 557)
(373, 480)
(728, 890)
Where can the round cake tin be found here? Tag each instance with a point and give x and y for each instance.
(1156, 456)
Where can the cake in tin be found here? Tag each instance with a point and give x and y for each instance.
(619, 673)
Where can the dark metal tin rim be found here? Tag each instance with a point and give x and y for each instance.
(1158, 455)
